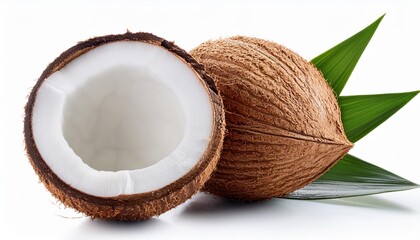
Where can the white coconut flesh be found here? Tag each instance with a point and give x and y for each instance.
(124, 118)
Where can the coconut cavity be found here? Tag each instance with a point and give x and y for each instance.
(123, 119)
(283, 121)
(124, 127)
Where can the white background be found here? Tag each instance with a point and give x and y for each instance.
(33, 33)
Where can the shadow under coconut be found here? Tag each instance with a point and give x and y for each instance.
(108, 228)
(372, 202)
(207, 204)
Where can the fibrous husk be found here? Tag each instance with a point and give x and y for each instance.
(284, 127)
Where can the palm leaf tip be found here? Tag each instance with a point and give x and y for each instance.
(362, 113)
(338, 63)
(352, 177)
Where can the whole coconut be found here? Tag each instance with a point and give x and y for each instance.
(284, 126)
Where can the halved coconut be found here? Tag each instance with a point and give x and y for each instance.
(124, 127)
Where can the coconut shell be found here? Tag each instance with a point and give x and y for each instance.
(139, 206)
(284, 126)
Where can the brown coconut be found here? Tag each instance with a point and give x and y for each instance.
(138, 206)
(284, 126)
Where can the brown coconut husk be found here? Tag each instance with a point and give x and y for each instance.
(283, 120)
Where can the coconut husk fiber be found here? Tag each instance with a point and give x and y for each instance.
(284, 126)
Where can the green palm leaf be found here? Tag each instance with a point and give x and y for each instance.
(361, 114)
(338, 63)
(352, 177)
